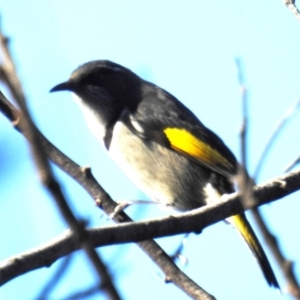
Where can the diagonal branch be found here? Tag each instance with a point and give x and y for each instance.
(292, 286)
(25, 123)
(274, 135)
(290, 4)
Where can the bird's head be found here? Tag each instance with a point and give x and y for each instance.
(105, 87)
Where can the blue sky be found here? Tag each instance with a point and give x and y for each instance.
(188, 48)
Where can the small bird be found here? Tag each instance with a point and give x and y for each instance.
(158, 142)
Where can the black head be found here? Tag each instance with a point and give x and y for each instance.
(105, 86)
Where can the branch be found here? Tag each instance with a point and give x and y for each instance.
(285, 265)
(244, 181)
(55, 278)
(192, 221)
(290, 4)
(47, 178)
(274, 135)
(292, 164)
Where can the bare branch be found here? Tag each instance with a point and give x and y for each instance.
(278, 128)
(82, 294)
(245, 183)
(55, 278)
(285, 265)
(290, 4)
(292, 165)
(244, 98)
(192, 221)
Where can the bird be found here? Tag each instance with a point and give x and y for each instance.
(159, 143)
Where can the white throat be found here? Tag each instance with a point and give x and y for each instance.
(93, 120)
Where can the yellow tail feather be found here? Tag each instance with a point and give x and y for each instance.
(244, 228)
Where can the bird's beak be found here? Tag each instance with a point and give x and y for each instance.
(65, 86)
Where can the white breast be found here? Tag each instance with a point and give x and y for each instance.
(141, 164)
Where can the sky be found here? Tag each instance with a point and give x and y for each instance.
(188, 48)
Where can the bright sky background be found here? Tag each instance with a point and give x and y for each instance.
(188, 48)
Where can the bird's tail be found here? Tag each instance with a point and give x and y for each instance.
(244, 228)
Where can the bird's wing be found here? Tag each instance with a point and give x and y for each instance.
(169, 123)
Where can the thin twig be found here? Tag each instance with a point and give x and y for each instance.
(177, 254)
(292, 165)
(290, 4)
(55, 278)
(285, 265)
(277, 129)
(82, 294)
(244, 181)
(244, 98)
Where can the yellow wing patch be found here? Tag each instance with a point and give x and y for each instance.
(183, 141)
